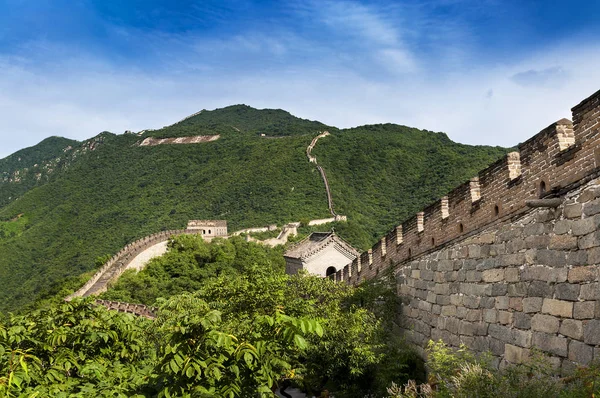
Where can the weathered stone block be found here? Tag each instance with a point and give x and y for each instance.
(591, 332)
(584, 226)
(590, 291)
(436, 309)
(571, 328)
(540, 289)
(493, 275)
(533, 229)
(545, 323)
(551, 258)
(456, 299)
(515, 354)
(502, 303)
(500, 332)
(553, 344)
(567, 291)
(449, 310)
(474, 251)
(521, 320)
(473, 276)
(515, 246)
(504, 317)
(557, 308)
(442, 288)
(496, 346)
(594, 255)
(532, 304)
(578, 257)
(515, 303)
(563, 242)
(466, 328)
(490, 316)
(522, 338)
(487, 302)
(580, 352)
(473, 315)
(589, 194)
(512, 259)
(498, 289)
(511, 275)
(562, 227)
(442, 300)
(461, 312)
(431, 297)
(574, 210)
(497, 249)
(584, 310)
(590, 240)
(543, 273)
(591, 208)
(517, 289)
(537, 242)
(471, 301)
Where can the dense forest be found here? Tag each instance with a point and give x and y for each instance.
(96, 196)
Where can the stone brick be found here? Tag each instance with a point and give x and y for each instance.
(442, 288)
(521, 320)
(471, 301)
(452, 325)
(500, 332)
(543, 273)
(449, 310)
(551, 258)
(533, 229)
(591, 332)
(511, 275)
(580, 352)
(557, 307)
(584, 310)
(490, 316)
(590, 291)
(466, 328)
(474, 251)
(522, 338)
(515, 246)
(493, 275)
(443, 300)
(577, 257)
(512, 259)
(473, 315)
(563, 242)
(553, 344)
(497, 249)
(431, 297)
(487, 302)
(486, 263)
(498, 289)
(532, 304)
(590, 240)
(473, 276)
(515, 354)
(574, 210)
(567, 291)
(594, 255)
(496, 346)
(589, 194)
(562, 227)
(461, 312)
(504, 317)
(545, 323)
(515, 303)
(517, 289)
(537, 242)
(502, 303)
(540, 289)
(584, 226)
(456, 299)
(571, 328)
(591, 208)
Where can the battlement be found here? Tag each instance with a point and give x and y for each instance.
(560, 156)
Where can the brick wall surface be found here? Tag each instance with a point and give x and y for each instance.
(484, 268)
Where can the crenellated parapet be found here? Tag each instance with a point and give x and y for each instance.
(136, 309)
(558, 158)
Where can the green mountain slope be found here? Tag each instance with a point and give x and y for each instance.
(381, 175)
(31, 167)
(108, 191)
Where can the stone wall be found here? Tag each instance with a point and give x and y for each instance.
(136, 309)
(483, 267)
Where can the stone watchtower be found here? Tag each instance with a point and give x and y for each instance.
(321, 253)
(208, 228)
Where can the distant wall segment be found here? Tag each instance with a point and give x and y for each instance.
(509, 260)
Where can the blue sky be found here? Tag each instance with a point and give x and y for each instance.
(486, 72)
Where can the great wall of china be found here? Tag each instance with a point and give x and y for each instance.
(137, 254)
(510, 260)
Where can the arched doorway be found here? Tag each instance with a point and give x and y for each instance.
(330, 271)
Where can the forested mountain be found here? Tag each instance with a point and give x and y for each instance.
(98, 195)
